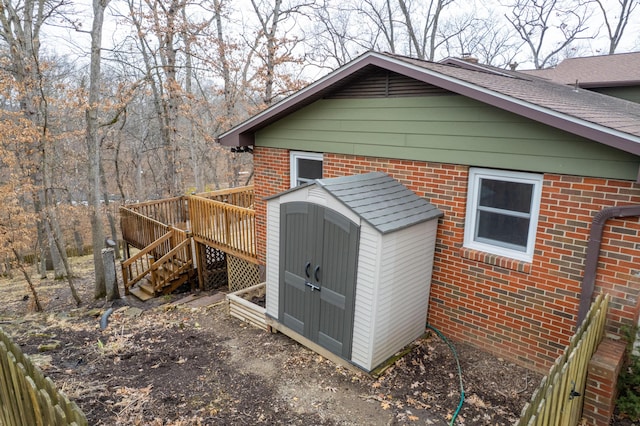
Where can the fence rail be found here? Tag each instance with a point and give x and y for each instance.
(27, 397)
(560, 397)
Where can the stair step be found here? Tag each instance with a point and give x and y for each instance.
(147, 287)
(140, 294)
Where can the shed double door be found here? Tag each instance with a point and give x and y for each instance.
(318, 260)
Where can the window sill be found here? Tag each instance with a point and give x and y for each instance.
(494, 259)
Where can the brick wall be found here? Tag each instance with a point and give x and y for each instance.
(271, 176)
(601, 389)
(524, 311)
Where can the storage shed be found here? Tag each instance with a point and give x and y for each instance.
(349, 264)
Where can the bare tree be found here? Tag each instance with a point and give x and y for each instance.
(486, 40)
(273, 46)
(423, 35)
(21, 24)
(541, 22)
(344, 30)
(615, 21)
(93, 146)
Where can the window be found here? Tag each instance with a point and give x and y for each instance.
(305, 167)
(502, 212)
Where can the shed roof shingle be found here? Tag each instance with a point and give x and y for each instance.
(380, 200)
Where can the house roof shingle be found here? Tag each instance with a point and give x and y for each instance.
(622, 69)
(611, 121)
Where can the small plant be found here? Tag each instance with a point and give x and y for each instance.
(629, 381)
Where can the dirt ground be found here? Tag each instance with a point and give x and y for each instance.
(158, 363)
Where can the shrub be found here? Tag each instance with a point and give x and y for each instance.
(629, 381)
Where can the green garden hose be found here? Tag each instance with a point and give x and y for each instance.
(455, 355)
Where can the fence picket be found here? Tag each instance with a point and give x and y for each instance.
(9, 408)
(28, 397)
(554, 402)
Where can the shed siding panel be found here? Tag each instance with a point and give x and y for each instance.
(366, 304)
(402, 303)
(446, 129)
(313, 194)
(273, 257)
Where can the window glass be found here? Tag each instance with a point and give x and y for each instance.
(309, 169)
(305, 167)
(514, 196)
(498, 228)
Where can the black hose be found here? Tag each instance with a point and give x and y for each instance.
(104, 321)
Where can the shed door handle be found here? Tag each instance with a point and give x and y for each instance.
(315, 273)
(306, 269)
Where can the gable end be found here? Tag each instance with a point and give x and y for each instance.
(375, 82)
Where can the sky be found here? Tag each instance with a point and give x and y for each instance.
(75, 44)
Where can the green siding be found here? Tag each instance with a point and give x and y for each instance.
(446, 129)
(630, 93)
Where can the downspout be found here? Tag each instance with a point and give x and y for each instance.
(593, 252)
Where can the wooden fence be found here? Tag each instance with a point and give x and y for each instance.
(27, 397)
(560, 397)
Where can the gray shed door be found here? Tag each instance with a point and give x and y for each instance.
(318, 259)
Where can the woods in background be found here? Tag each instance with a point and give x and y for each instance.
(134, 114)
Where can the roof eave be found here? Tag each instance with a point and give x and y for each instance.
(243, 134)
(589, 130)
(606, 84)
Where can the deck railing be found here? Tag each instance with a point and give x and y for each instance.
(139, 230)
(223, 225)
(170, 211)
(223, 219)
(240, 197)
(171, 253)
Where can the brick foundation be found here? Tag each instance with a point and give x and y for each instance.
(525, 311)
(602, 380)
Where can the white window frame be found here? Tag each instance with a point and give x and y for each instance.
(473, 192)
(293, 164)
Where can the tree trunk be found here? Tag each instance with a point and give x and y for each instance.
(93, 146)
(25, 273)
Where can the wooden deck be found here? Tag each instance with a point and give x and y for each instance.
(164, 230)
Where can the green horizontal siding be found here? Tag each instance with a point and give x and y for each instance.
(630, 93)
(446, 129)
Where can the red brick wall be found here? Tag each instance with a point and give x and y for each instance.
(523, 311)
(271, 176)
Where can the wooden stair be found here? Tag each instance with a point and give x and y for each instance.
(145, 289)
